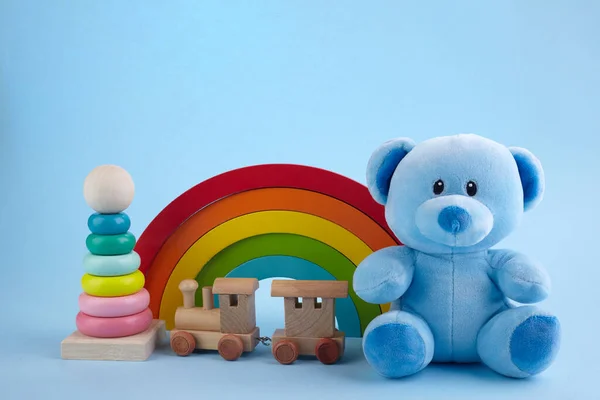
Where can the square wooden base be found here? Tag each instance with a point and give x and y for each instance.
(132, 348)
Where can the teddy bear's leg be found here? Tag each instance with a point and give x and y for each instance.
(398, 344)
(519, 342)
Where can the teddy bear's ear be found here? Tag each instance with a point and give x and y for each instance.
(532, 176)
(383, 163)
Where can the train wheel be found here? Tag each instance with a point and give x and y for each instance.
(327, 351)
(230, 347)
(286, 352)
(183, 343)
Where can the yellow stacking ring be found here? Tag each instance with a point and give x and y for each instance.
(113, 286)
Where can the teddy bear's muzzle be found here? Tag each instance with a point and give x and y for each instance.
(454, 220)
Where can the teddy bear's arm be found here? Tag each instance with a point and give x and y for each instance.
(384, 276)
(518, 277)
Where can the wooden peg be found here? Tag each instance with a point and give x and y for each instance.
(207, 298)
(188, 288)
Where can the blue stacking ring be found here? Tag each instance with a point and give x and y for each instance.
(111, 265)
(109, 224)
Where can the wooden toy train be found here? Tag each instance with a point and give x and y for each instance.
(231, 329)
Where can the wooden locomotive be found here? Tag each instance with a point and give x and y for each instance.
(231, 329)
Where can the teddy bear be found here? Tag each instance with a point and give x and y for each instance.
(454, 299)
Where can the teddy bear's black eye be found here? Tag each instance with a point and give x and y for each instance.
(471, 188)
(438, 186)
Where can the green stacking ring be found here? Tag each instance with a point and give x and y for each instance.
(123, 264)
(110, 245)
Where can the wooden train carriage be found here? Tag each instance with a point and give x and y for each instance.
(309, 320)
(230, 329)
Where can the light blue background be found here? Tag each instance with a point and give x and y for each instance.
(178, 91)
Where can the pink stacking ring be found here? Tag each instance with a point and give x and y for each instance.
(114, 327)
(111, 307)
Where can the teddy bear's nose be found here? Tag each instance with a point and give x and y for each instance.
(454, 219)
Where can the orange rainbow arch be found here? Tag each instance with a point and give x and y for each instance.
(272, 220)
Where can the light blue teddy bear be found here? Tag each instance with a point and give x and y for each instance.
(449, 200)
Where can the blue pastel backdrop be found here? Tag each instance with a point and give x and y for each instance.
(179, 91)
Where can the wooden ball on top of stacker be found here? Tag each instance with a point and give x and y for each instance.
(108, 189)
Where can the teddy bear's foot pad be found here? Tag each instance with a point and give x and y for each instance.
(520, 342)
(532, 345)
(398, 344)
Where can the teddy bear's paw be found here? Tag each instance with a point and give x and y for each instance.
(398, 344)
(530, 337)
(384, 275)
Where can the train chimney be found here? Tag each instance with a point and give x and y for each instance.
(188, 289)
(207, 298)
